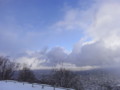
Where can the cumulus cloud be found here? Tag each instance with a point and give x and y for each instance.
(44, 58)
(104, 32)
(105, 26)
(50, 59)
(101, 44)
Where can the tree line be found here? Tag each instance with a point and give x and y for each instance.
(10, 70)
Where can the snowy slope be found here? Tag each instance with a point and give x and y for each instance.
(13, 85)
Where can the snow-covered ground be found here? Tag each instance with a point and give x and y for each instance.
(14, 85)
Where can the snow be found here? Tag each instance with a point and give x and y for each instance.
(14, 85)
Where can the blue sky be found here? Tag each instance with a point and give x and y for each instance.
(76, 32)
(31, 20)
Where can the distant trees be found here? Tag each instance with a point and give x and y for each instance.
(7, 68)
(45, 79)
(66, 78)
(26, 75)
(99, 80)
(62, 77)
(108, 84)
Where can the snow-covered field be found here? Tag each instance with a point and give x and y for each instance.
(14, 85)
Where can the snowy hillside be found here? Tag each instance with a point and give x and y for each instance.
(14, 85)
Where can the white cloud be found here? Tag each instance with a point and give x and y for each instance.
(75, 19)
(103, 28)
(44, 58)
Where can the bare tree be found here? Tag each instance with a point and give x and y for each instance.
(66, 78)
(26, 75)
(7, 68)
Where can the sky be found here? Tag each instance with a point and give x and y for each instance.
(75, 34)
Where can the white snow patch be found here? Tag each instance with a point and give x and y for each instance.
(14, 85)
